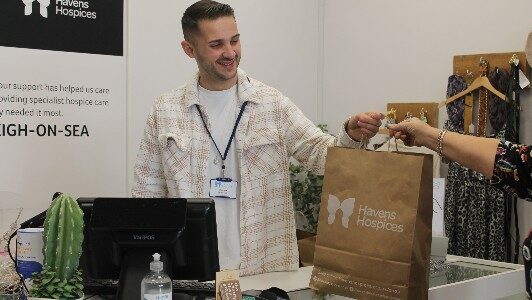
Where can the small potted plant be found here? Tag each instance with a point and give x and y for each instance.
(306, 194)
(63, 237)
(10, 283)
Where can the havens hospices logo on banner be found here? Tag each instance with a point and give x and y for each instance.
(83, 26)
(43, 9)
(62, 8)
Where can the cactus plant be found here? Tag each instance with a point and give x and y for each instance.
(63, 238)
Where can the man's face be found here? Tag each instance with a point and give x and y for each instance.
(216, 49)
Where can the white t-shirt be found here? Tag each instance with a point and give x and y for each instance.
(222, 111)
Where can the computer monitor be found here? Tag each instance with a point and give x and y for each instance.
(121, 234)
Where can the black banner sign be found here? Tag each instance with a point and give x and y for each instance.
(83, 26)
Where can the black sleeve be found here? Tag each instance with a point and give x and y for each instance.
(512, 169)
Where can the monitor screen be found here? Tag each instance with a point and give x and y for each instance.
(121, 234)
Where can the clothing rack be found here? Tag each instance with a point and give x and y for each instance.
(467, 66)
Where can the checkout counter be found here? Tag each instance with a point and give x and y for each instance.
(462, 278)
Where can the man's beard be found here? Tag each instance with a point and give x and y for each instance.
(213, 72)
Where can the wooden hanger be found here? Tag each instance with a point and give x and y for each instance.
(481, 81)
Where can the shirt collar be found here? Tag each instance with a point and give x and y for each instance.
(246, 90)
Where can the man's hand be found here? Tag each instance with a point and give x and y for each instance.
(364, 126)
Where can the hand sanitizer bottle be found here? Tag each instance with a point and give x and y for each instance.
(156, 285)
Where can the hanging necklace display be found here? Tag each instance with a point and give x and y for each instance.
(469, 127)
(482, 101)
(512, 132)
(423, 115)
(513, 94)
(391, 117)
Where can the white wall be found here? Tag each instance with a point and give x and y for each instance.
(377, 52)
(280, 45)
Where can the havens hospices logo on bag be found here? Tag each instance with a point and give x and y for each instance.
(334, 204)
(83, 26)
(366, 216)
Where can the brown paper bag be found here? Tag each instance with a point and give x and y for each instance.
(374, 227)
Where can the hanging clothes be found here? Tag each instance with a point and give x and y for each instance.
(455, 109)
(512, 135)
(513, 95)
(475, 212)
(499, 113)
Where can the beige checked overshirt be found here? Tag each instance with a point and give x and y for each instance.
(174, 153)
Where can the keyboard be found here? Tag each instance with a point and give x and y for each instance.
(193, 287)
(190, 287)
(99, 286)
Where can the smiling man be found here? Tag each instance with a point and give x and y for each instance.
(215, 44)
(229, 137)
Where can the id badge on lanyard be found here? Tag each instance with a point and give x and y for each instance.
(223, 188)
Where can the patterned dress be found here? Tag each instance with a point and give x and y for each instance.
(474, 212)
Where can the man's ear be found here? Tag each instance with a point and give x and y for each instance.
(189, 50)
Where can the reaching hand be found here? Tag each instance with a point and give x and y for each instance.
(413, 132)
(364, 125)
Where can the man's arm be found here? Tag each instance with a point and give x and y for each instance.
(308, 144)
(148, 171)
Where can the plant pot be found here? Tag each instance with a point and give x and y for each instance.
(306, 250)
(9, 296)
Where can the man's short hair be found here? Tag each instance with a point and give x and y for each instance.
(203, 10)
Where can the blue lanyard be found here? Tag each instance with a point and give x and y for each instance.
(224, 156)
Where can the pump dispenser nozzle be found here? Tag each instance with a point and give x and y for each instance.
(156, 284)
(156, 265)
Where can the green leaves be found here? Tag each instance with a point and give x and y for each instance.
(46, 284)
(306, 192)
